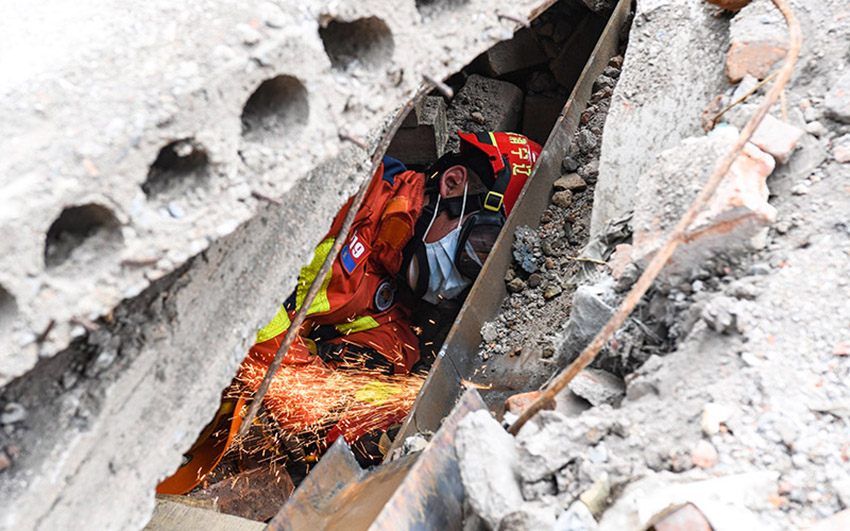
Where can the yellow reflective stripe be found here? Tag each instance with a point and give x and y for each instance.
(277, 326)
(376, 392)
(308, 274)
(358, 325)
(493, 138)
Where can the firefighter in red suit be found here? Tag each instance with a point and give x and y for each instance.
(417, 236)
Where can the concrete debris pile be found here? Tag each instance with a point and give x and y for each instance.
(729, 410)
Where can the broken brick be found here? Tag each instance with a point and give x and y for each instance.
(621, 258)
(758, 40)
(423, 138)
(518, 403)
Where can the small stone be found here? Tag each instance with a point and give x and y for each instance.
(13, 413)
(247, 34)
(816, 128)
(704, 455)
(596, 497)
(477, 117)
(552, 291)
(800, 189)
(569, 165)
(586, 141)
(841, 149)
(837, 101)
(571, 181)
(842, 348)
(713, 415)
(5, 461)
(563, 199)
(535, 280)
(175, 210)
(489, 332)
(577, 518)
(516, 285)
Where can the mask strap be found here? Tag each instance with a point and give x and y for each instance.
(436, 210)
(463, 205)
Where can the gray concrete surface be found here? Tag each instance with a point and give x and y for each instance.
(165, 123)
(665, 85)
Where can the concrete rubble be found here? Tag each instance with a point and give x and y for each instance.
(739, 411)
(724, 395)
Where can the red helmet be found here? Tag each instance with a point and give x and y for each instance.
(511, 157)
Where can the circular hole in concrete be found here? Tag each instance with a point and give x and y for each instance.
(277, 108)
(366, 41)
(8, 311)
(87, 232)
(182, 163)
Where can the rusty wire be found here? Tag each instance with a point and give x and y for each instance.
(341, 237)
(677, 236)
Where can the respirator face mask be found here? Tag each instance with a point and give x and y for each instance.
(445, 268)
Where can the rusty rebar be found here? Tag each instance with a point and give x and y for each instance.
(341, 237)
(663, 255)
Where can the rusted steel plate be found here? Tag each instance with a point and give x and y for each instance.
(255, 494)
(419, 491)
(458, 358)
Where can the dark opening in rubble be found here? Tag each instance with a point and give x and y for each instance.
(519, 86)
(278, 108)
(367, 42)
(92, 229)
(181, 163)
(8, 311)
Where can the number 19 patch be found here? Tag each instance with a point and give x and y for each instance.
(353, 253)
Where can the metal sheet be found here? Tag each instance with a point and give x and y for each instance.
(419, 491)
(458, 360)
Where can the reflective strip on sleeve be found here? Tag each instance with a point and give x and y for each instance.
(277, 326)
(376, 392)
(308, 273)
(358, 325)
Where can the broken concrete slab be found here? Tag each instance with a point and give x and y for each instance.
(424, 138)
(665, 80)
(523, 52)
(543, 445)
(776, 137)
(758, 40)
(487, 459)
(737, 213)
(724, 501)
(587, 317)
(598, 387)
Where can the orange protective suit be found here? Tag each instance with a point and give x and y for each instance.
(357, 305)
